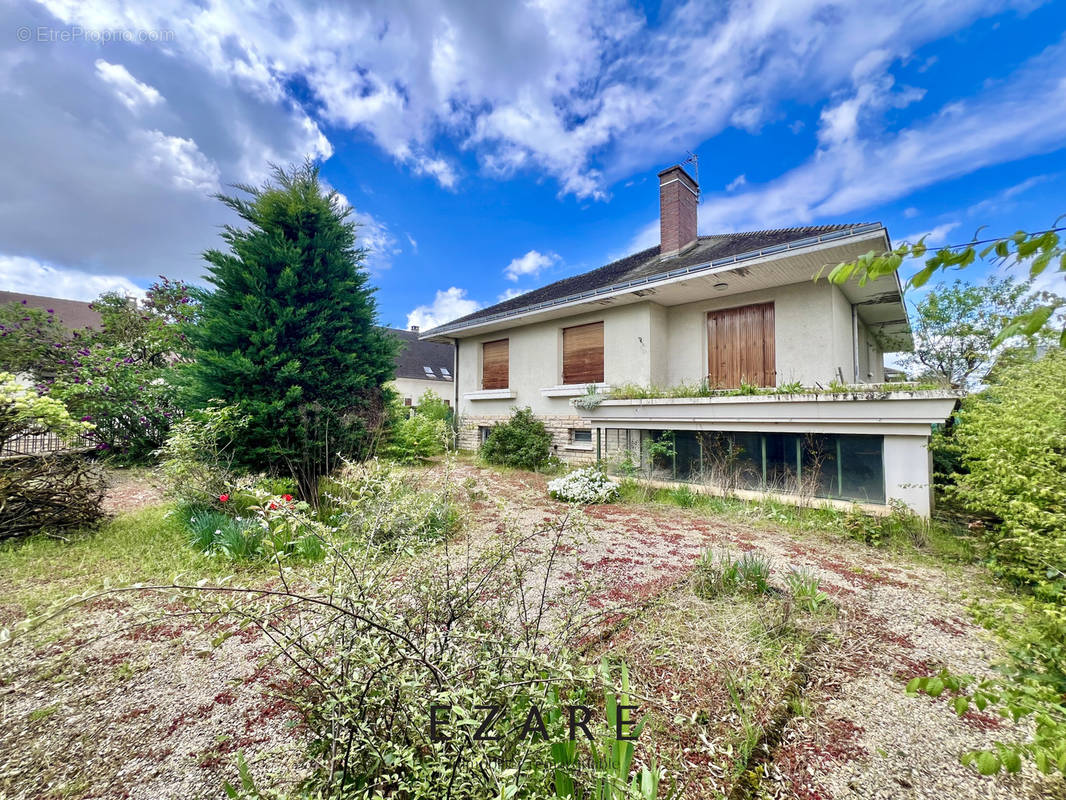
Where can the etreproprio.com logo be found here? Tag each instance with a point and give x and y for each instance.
(76, 33)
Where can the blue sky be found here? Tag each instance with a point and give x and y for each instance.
(489, 148)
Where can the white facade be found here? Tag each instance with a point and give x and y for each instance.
(410, 389)
(655, 334)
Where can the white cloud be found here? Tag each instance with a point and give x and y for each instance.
(911, 212)
(736, 183)
(96, 188)
(584, 92)
(934, 237)
(510, 292)
(129, 90)
(177, 161)
(448, 304)
(856, 168)
(20, 274)
(530, 264)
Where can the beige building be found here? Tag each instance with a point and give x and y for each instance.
(422, 366)
(738, 311)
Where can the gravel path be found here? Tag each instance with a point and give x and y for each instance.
(863, 737)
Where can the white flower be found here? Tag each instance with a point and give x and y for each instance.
(583, 486)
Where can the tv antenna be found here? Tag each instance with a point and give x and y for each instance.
(694, 160)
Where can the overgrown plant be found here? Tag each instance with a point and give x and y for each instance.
(53, 492)
(522, 442)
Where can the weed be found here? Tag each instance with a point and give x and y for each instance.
(805, 589)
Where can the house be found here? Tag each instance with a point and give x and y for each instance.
(422, 366)
(799, 362)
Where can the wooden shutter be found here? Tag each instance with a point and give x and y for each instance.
(495, 372)
(583, 353)
(740, 347)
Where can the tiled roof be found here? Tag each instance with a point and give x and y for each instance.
(74, 314)
(425, 361)
(647, 263)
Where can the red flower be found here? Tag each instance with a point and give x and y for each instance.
(272, 506)
(222, 498)
(287, 498)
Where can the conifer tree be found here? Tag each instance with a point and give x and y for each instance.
(290, 333)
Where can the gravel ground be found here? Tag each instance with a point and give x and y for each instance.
(862, 737)
(153, 713)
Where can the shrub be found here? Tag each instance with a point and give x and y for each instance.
(584, 486)
(417, 438)
(51, 492)
(522, 442)
(1013, 448)
(198, 455)
(432, 405)
(377, 505)
(370, 656)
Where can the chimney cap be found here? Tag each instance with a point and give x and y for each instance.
(678, 168)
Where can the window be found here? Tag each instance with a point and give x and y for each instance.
(740, 347)
(583, 354)
(483, 432)
(494, 365)
(838, 466)
(581, 436)
(407, 401)
(446, 373)
(429, 372)
(447, 402)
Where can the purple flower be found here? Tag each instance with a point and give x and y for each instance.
(86, 418)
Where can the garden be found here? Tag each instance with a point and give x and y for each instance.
(249, 572)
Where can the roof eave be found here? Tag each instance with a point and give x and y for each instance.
(451, 330)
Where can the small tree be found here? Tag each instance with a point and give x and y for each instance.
(522, 442)
(30, 339)
(956, 328)
(1012, 440)
(432, 405)
(124, 377)
(290, 332)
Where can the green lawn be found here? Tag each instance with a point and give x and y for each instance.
(147, 545)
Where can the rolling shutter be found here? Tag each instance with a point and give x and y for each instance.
(740, 347)
(495, 373)
(583, 354)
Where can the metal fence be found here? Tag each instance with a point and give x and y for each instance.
(32, 444)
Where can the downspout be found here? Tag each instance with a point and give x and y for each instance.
(855, 343)
(455, 378)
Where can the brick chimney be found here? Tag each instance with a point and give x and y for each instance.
(678, 197)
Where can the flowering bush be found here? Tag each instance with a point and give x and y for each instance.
(588, 485)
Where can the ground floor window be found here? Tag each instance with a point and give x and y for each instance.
(483, 432)
(839, 466)
(581, 436)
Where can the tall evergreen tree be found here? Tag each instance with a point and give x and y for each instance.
(290, 331)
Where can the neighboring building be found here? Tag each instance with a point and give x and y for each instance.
(733, 309)
(422, 366)
(73, 314)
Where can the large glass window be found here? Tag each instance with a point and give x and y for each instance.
(837, 466)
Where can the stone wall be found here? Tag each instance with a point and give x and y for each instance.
(558, 426)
